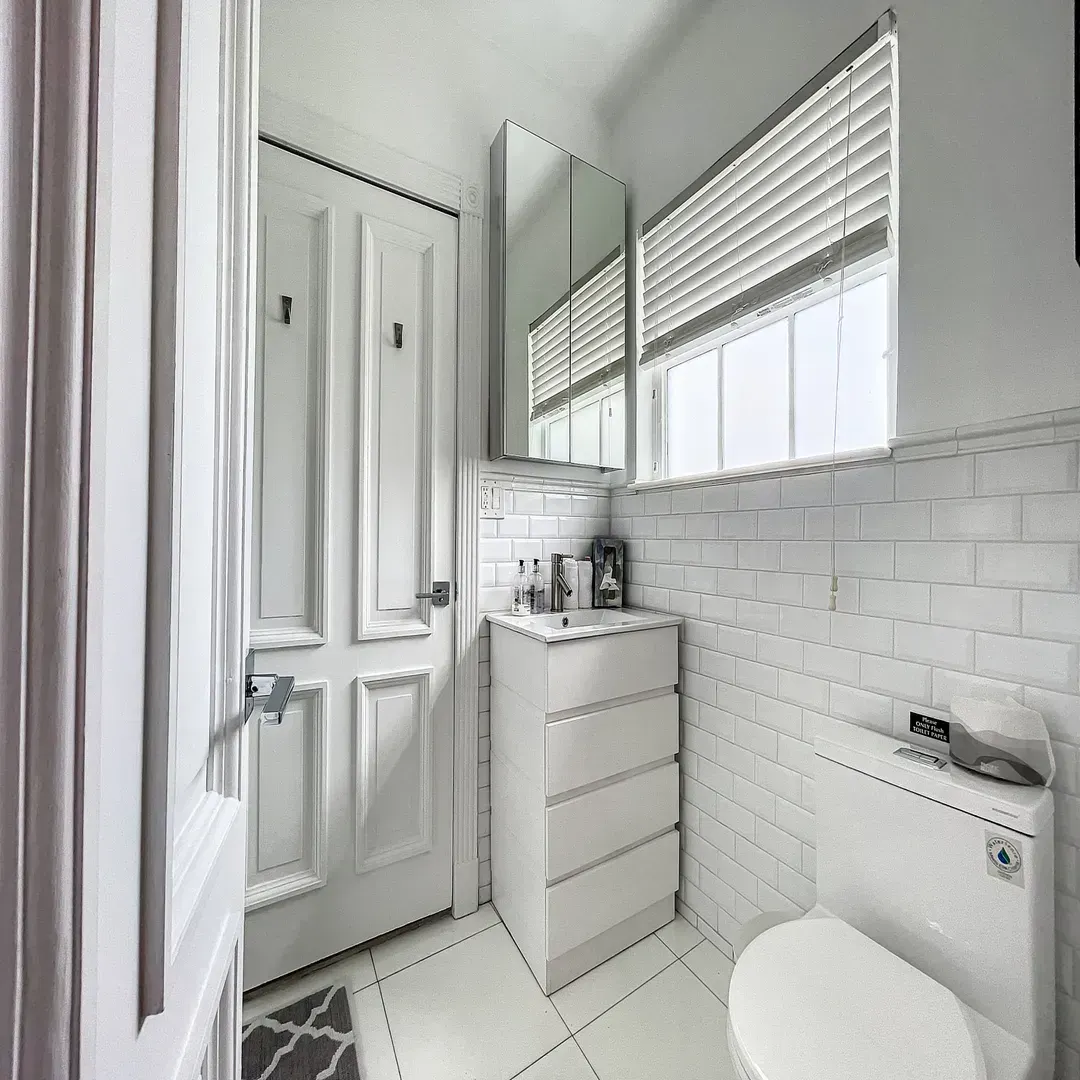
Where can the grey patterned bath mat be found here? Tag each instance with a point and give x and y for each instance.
(312, 1039)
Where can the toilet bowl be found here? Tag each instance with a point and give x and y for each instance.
(925, 959)
(815, 999)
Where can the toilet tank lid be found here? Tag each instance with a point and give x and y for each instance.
(1026, 810)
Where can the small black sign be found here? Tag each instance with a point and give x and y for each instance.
(929, 727)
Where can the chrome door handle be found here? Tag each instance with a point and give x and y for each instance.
(439, 595)
(277, 689)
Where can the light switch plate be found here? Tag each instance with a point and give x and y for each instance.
(491, 499)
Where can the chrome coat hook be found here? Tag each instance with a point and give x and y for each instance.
(286, 310)
(399, 334)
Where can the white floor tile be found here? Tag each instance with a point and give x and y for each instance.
(583, 1000)
(565, 1062)
(679, 936)
(473, 1010)
(399, 952)
(712, 967)
(374, 1048)
(672, 1028)
(355, 972)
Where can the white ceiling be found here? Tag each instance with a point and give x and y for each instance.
(590, 47)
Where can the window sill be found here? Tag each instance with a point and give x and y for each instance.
(761, 472)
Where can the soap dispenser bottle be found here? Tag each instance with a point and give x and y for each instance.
(536, 589)
(519, 604)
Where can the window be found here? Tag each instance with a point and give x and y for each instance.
(576, 362)
(742, 318)
(764, 394)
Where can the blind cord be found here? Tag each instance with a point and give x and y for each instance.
(834, 584)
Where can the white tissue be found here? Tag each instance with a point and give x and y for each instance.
(571, 602)
(585, 581)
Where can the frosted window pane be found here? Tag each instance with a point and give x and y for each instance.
(692, 436)
(756, 397)
(862, 416)
(585, 434)
(559, 438)
(536, 438)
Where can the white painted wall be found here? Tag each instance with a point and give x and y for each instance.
(989, 284)
(402, 74)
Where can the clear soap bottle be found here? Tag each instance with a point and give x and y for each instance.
(519, 604)
(536, 589)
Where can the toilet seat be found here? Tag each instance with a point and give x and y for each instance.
(815, 999)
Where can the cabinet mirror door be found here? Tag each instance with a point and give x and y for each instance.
(536, 333)
(597, 317)
(557, 305)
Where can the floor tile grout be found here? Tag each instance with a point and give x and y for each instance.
(572, 1036)
(581, 1051)
(467, 937)
(389, 1029)
(701, 980)
(569, 1038)
(655, 974)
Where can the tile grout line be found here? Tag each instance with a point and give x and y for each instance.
(389, 1029)
(571, 1035)
(586, 1056)
(629, 992)
(475, 933)
(655, 975)
(569, 1038)
(701, 980)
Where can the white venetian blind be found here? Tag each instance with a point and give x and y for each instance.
(585, 330)
(770, 217)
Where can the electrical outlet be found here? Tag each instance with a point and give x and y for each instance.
(491, 499)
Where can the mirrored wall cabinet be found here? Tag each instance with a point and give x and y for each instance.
(558, 305)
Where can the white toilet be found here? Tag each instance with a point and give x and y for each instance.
(930, 953)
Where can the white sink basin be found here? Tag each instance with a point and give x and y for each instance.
(585, 622)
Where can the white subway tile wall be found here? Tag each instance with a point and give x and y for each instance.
(957, 574)
(541, 520)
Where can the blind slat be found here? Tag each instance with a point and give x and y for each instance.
(868, 97)
(823, 155)
(759, 223)
(777, 246)
(586, 332)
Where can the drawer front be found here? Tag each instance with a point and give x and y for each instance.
(591, 902)
(592, 826)
(585, 671)
(584, 749)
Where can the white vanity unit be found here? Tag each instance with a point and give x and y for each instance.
(584, 783)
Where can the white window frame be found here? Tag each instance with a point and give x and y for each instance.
(652, 381)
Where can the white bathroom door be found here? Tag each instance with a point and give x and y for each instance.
(350, 797)
(163, 827)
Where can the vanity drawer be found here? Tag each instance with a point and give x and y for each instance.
(584, 749)
(591, 902)
(592, 826)
(585, 671)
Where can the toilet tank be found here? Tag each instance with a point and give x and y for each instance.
(951, 871)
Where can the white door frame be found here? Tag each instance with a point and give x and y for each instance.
(295, 127)
(48, 116)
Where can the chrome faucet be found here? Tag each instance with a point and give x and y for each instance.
(559, 587)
